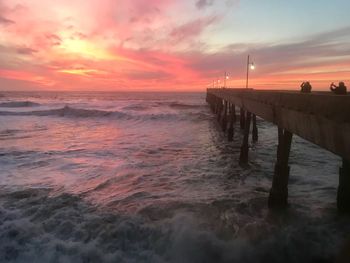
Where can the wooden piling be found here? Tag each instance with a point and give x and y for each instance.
(224, 117)
(243, 158)
(212, 104)
(279, 192)
(216, 105)
(242, 118)
(219, 110)
(343, 196)
(234, 113)
(255, 129)
(230, 131)
(211, 101)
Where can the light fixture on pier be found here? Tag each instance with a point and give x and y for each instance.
(250, 65)
(226, 77)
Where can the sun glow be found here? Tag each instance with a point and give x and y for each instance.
(85, 49)
(81, 71)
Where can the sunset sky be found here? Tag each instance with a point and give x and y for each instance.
(172, 45)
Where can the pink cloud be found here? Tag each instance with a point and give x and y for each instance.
(5, 21)
(192, 29)
(147, 44)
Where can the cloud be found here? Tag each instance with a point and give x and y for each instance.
(25, 50)
(149, 75)
(192, 29)
(137, 43)
(200, 4)
(321, 58)
(54, 39)
(5, 21)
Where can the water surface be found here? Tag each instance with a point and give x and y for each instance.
(149, 177)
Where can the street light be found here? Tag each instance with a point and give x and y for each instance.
(226, 77)
(250, 65)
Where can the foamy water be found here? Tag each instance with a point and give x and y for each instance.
(149, 177)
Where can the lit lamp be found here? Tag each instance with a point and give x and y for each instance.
(250, 65)
(226, 77)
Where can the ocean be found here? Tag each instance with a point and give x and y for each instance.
(150, 177)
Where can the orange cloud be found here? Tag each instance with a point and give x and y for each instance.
(27, 76)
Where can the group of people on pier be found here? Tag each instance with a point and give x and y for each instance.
(339, 90)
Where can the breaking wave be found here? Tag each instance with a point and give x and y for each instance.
(38, 227)
(92, 113)
(178, 105)
(18, 104)
(65, 111)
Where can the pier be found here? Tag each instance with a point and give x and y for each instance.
(319, 117)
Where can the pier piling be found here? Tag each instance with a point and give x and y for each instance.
(224, 117)
(242, 118)
(279, 191)
(343, 196)
(230, 131)
(217, 105)
(243, 158)
(234, 113)
(255, 129)
(219, 111)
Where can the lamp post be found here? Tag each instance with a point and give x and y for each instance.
(250, 65)
(226, 77)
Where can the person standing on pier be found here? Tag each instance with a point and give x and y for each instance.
(339, 90)
(306, 87)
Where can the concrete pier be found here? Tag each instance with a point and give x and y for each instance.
(319, 117)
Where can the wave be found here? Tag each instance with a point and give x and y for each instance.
(90, 113)
(178, 105)
(65, 111)
(174, 105)
(136, 107)
(18, 104)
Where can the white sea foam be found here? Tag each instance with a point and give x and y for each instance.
(36, 227)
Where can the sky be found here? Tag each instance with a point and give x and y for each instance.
(172, 45)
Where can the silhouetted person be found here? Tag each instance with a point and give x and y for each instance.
(306, 87)
(340, 90)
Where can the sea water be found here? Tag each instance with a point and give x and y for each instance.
(150, 177)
